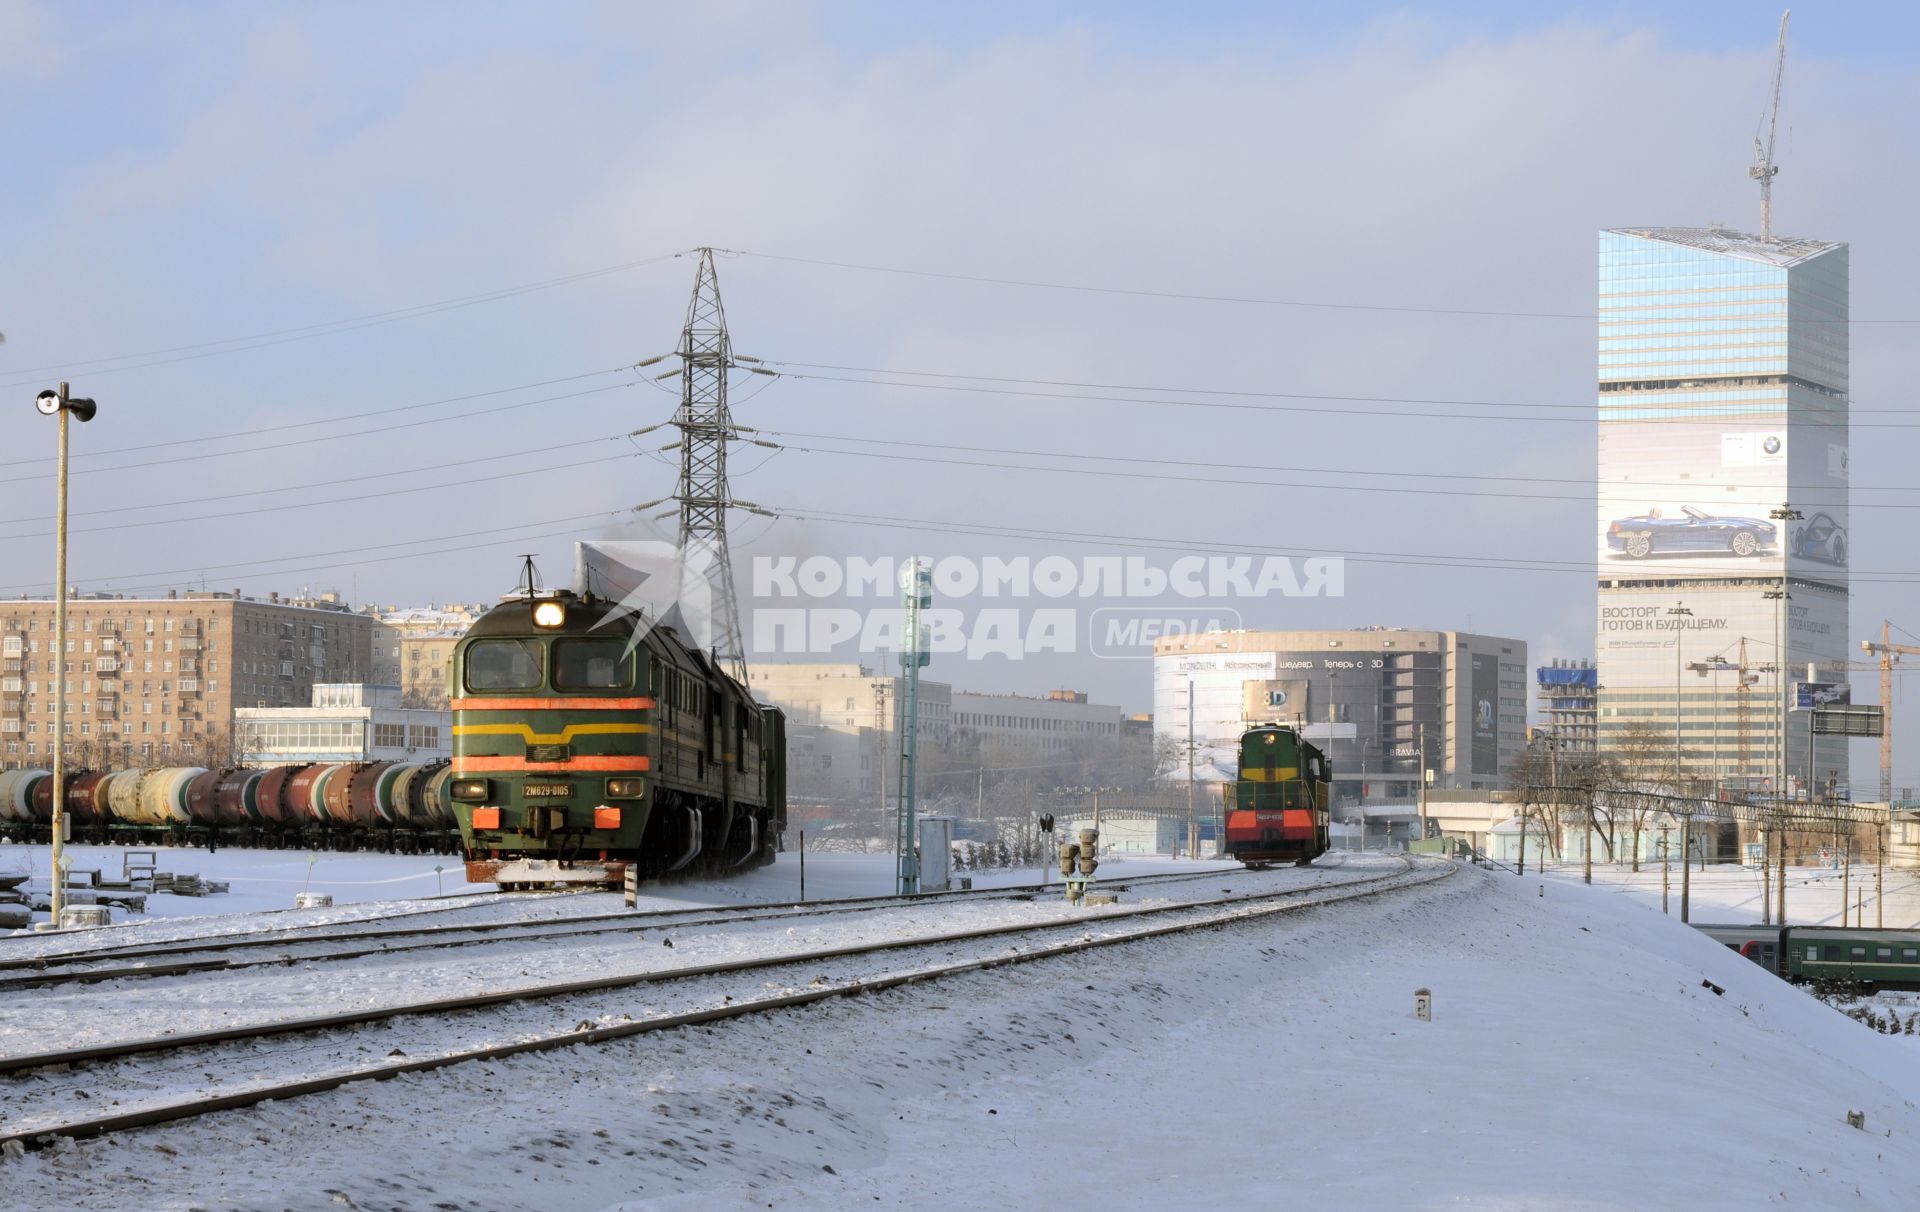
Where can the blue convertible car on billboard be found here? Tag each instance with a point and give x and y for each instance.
(1694, 530)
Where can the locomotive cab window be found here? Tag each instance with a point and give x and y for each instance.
(505, 665)
(592, 665)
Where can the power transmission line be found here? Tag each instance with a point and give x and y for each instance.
(1591, 416)
(197, 569)
(334, 482)
(334, 437)
(879, 518)
(350, 416)
(207, 349)
(1216, 465)
(1590, 408)
(1194, 297)
(357, 497)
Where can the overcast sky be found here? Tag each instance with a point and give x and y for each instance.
(308, 177)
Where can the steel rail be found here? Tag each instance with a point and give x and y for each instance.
(41, 1138)
(624, 924)
(760, 910)
(28, 1062)
(118, 950)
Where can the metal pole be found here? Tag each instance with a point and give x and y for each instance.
(1780, 875)
(1666, 867)
(1420, 733)
(1193, 834)
(803, 864)
(1044, 847)
(56, 901)
(1846, 873)
(916, 590)
(1677, 633)
(1766, 876)
(1686, 868)
(1880, 873)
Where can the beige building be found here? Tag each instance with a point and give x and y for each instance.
(151, 680)
(843, 727)
(1061, 721)
(847, 698)
(413, 649)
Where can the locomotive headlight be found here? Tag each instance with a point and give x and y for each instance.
(626, 789)
(469, 789)
(550, 614)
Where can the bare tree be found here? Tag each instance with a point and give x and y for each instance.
(1645, 757)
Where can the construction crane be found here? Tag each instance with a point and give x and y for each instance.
(1889, 654)
(1749, 676)
(1764, 170)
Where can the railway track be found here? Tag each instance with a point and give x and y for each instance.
(68, 968)
(434, 1034)
(23, 939)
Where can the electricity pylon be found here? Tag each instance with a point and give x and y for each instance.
(706, 357)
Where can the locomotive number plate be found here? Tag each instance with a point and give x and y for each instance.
(552, 791)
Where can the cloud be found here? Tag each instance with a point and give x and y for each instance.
(1398, 165)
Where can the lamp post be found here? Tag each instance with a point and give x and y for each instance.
(59, 403)
(1714, 665)
(1783, 658)
(1677, 612)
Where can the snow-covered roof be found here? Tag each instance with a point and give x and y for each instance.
(1779, 250)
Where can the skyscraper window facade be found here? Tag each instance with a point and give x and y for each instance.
(1723, 535)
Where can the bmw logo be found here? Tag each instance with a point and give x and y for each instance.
(1772, 444)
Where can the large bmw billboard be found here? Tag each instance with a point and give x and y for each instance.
(1697, 497)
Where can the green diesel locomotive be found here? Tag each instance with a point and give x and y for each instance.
(1278, 809)
(587, 742)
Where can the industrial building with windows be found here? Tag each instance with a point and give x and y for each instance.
(346, 723)
(1568, 704)
(1372, 698)
(1019, 724)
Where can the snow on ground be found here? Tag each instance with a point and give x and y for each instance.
(259, 879)
(264, 880)
(1574, 1061)
(1729, 894)
(100, 1013)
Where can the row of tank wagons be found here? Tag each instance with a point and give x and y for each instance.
(348, 795)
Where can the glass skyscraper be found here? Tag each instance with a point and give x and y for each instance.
(1723, 539)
